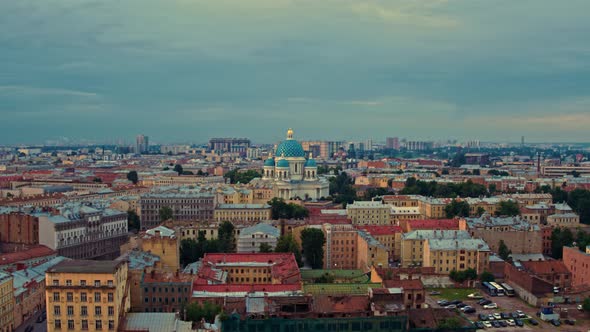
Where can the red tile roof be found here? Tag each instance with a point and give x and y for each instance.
(444, 224)
(34, 252)
(230, 288)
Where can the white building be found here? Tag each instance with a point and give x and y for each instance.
(292, 175)
(251, 238)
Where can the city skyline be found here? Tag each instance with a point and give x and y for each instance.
(182, 71)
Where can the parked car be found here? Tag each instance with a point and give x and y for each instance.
(505, 315)
(484, 302)
(491, 306)
(497, 316)
(520, 314)
(479, 325)
(570, 321)
(435, 293)
(491, 317)
(451, 306)
(555, 322)
(496, 324)
(469, 310)
(487, 325)
(580, 307)
(503, 323)
(519, 322)
(455, 302)
(510, 322)
(514, 315)
(461, 305)
(443, 303)
(483, 317)
(533, 322)
(474, 296)
(29, 328)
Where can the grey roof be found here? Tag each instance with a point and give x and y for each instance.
(138, 259)
(156, 322)
(424, 234)
(37, 273)
(371, 240)
(85, 266)
(451, 244)
(164, 231)
(243, 206)
(261, 228)
(516, 223)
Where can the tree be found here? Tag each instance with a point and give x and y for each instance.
(575, 174)
(342, 190)
(132, 176)
(281, 210)
(458, 160)
(326, 278)
(508, 209)
(188, 251)
(486, 276)
(492, 188)
(227, 237)
(237, 176)
(503, 250)
(312, 243)
(178, 169)
(97, 179)
(449, 324)
(195, 312)
(166, 213)
(287, 243)
(560, 238)
(480, 211)
(586, 304)
(265, 247)
(187, 173)
(133, 222)
(457, 209)
(461, 276)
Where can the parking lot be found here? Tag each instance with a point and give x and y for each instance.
(510, 305)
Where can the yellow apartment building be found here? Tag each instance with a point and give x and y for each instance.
(162, 242)
(413, 244)
(368, 213)
(446, 255)
(86, 295)
(242, 212)
(6, 303)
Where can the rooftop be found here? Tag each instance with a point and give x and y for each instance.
(243, 206)
(442, 224)
(261, 228)
(155, 322)
(451, 244)
(85, 266)
(545, 267)
(339, 289)
(376, 230)
(436, 234)
(34, 252)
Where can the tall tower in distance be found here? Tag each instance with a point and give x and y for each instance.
(522, 141)
(141, 144)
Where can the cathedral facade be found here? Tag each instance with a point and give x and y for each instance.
(292, 174)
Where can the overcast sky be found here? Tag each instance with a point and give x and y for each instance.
(186, 70)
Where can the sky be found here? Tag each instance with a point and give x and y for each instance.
(188, 70)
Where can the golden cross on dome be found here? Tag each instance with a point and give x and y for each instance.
(290, 133)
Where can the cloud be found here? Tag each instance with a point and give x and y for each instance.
(414, 13)
(28, 91)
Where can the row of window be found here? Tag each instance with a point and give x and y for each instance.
(146, 289)
(83, 297)
(83, 310)
(84, 324)
(97, 283)
(166, 300)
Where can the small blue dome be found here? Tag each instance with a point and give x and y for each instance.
(283, 163)
(290, 148)
(269, 162)
(310, 163)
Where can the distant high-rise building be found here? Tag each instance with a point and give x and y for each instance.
(522, 140)
(392, 143)
(141, 144)
(419, 145)
(236, 145)
(322, 149)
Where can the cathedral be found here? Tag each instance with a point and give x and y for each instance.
(292, 174)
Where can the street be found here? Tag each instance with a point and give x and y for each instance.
(38, 327)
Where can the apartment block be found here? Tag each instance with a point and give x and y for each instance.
(86, 295)
(242, 212)
(520, 236)
(368, 213)
(18, 227)
(251, 238)
(6, 303)
(81, 231)
(162, 242)
(578, 264)
(413, 245)
(185, 205)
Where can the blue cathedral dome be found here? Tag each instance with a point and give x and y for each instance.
(269, 162)
(310, 163)
(290, 147)
(283, 163)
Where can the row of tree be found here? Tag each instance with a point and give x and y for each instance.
(577, 199)
(461, 209)
(281, 210)
(561, 237)
(193, 250)
(470, 274)
(238, 176)
(441, 190)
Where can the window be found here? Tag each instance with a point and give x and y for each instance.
(68, 282)
(96, 283)
(82, 282)
(56, 296)
(97, 297)
(83, 297)
(84, 310)
(84, 324)
(110, 297)
(57, 324)
(98, 325)
(56, 310)
(110, 283)
(111, 325)
(111, 311)
(70, 297)
(97, 311)
(70, 310)
(70, 324)
(55, 282)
